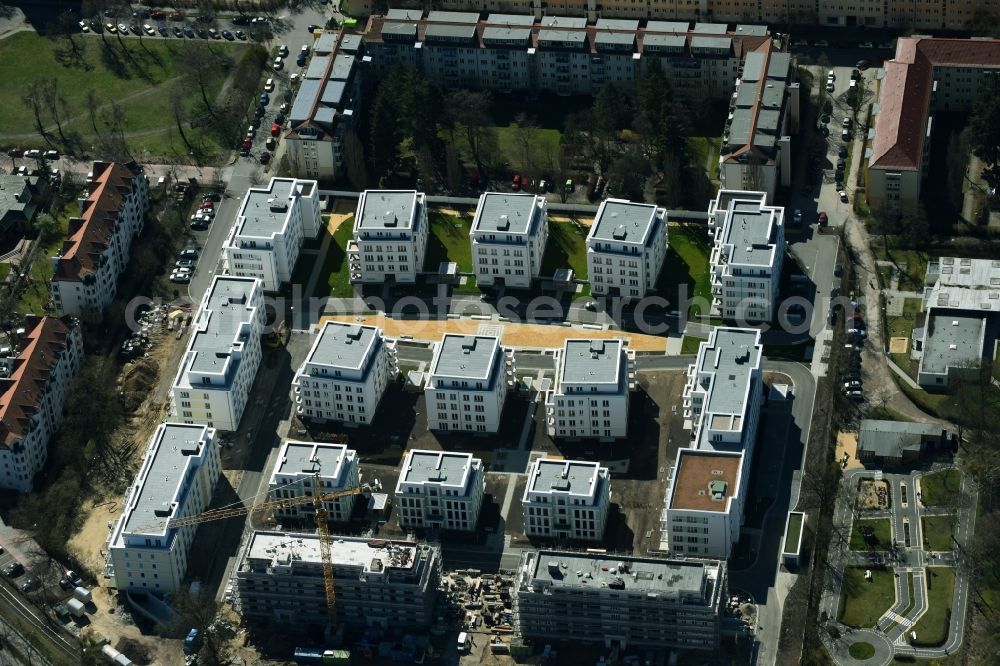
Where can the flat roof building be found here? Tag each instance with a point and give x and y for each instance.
(625, 248)
(590, 397)
(294, 475)
(704, 503)
(176, 479)
(895, 442)
(390, 237)
(345, 374)
(467, 383)
(566, 499)
(269, 230)
(608, 599)
(508, 235)
(378, 583)
(440, 490)
(223, 353)
(747, 256)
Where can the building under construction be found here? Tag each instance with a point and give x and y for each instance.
(615, 601)
(378, 583)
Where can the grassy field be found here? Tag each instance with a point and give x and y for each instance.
(932, 628)
(449, 241)
(690, 344)
(704, 148)
(36, 296)
(533, 151)
(686, 267)
(334, 278)
(940, 488)
(912, 266)
(861, 650)
(883, 534)
(140, 77)
(566, 248)
(863, 602)
(794, 532)
(937, 532)
(902, 327)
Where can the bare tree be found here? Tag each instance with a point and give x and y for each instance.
(33, 99)
(56, 104)
(177, 109)
(354, 155)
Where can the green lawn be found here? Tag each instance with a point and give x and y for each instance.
(542, 148)
(566, 248)
(685, 268)
(140, 77)
(932, 628)
(883, 534)
(912, 265)
(35, 298)
(793, 532)
(932, 403)
(861, 650)
(334, 278)
(902, 327)
(863, 602)
(940, 488)
(937, 532)
(704, 148)
(449, 241)
(690, 344)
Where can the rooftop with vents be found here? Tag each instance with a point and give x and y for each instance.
(342, 345)
(591, 362)
(307, 458)
(621, 221)
(386, 210)
(579, 478)
(515, 214)
(440, 468)
(731, 357)
(705, 480)
(220, 324)
(465, 357)
(264, 211)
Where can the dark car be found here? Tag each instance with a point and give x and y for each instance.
(163, 31)
(178, 32)
(241, 20)
(280, 118)
(228, 35)
(212, 196)
(241, 35)
(311, 27)
(842, 151)
(13, 570)
(189, 32)
(265, 157)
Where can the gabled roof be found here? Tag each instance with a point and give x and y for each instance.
(905, 91)
(89, 233)
(44, 341)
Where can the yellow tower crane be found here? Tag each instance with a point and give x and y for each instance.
(317, 499)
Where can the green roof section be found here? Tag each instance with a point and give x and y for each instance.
(793, 533)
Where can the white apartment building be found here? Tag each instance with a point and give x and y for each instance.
(345, 374)
(390, 237)
(566, 499)
(625, 248)
(508, 236)
(559, 53)
(378, 583)
(467, 383)
(704, 504)
(34, 384)
(322, 117)
(724, 391)
(294, 475)
(223, 354)
(440, 490)
(177, 479)
(96, 250)
(747, 255)
(270, 228)
(591, 392)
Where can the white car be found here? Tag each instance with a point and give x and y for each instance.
(278, 64)
(283, 50)
(843, 195)
(294, 77)
(149, 30)
(269, 85)
(207, 213)
(832, 75)
(84, 27)
(829, 87)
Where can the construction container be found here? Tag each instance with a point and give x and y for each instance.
(76, 608)
(115, 657)
(84, 595)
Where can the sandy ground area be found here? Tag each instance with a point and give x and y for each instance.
(847, 445)
(873, 494)
(514, 335)
(898, 345)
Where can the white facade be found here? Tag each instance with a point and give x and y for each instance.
(747, 255)
(625, 248)
(270, 228)
(440, 490)
(345, 374)
(177, 479)
(390, 237)
(467, 384)
(294, 475)
(508, 235)
(704, 503)
(223, 354)
(33, 389)
(566, 499)
(96, 251)
(591, 392)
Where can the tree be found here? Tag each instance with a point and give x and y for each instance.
(471, 110)
(201, 67)
(47, 227)
(177, 110)
(116, 143)
(354, 156)
(56, 104)
(66, 25)
(957, 163)
(915, 229)
(32, 99)
(627, 175)
(984, 126)
(384, 133)
(858, 97)
(199, 611)
(525, 132)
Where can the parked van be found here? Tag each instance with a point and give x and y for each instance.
(464, 642)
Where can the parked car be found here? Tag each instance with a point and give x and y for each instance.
(271, 143)
(301, 60)
(177, 31)
(189, 253)
(29, 585)
(149, 30)
(163, 31)
(13, 570)
(275, 129)
(265, 157)
(206, 212)
(264, 99)
(866, 45)
(283, 50)
(229, 37)
(33, 154)
(180, 278)
(280, 118)
(213, 33)
(207, 203)
(122, 28)
(838, 270)
(845, 134)
(176, 15)
(843, 195)
(269, 85)
(797, 216)
(110, 27)
(184, 263)
(829, 86)
(189, 32)
(863, 64)
(852, 384)
(240, 35)
(515, 183)
(283, 108)
(211, 196)
(84, 27)
(841, 164)
(133, 28)
(277, 65)
(312, 27)
(822, 219)
(158, 14)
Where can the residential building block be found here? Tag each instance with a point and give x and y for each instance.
(591, 392)
(345, 374)
(566, 499)
(508, 236)
(704, 504)
(467, 383)
(294, 475)
(223, 354)
(390, 237)
(440, 490)
(625, 248)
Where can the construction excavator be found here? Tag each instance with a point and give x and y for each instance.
(317, 499)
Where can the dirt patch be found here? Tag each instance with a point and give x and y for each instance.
(114, 622)
(847, 450)
(873, 494)
(899, 345)
(515, 335)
